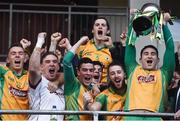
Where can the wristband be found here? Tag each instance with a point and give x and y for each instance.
(40, 42)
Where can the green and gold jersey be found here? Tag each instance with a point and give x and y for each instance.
(73, 90)
(102, 55)
(147, 89)
(111, 101)
(13, 93)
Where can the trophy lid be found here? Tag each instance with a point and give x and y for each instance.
(148, 7)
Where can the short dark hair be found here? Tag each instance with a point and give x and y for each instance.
(46, 54)
(115, 63)
(101, 17)
(98, 63)
(84, 61)
(149, 46)
(15, 45)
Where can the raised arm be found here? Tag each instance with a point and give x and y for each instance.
(55, 37)
(34, 63)
(64, 43)
(81, 41)
(130, 53)
(69, 76)
(169, 56)
(26, 45)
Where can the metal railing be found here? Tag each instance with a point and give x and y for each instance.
(19, 21)
(95, 114)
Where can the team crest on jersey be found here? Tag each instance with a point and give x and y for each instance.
(18, 93)
(88, 54)
(146, 79)
(11, 79)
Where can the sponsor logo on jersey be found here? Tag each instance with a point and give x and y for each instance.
(18, 93)
(146, 79)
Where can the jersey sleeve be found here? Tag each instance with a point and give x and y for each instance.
(3, 70)
(169, 56)
(130, 55)
(101, 98)
(69, 77)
